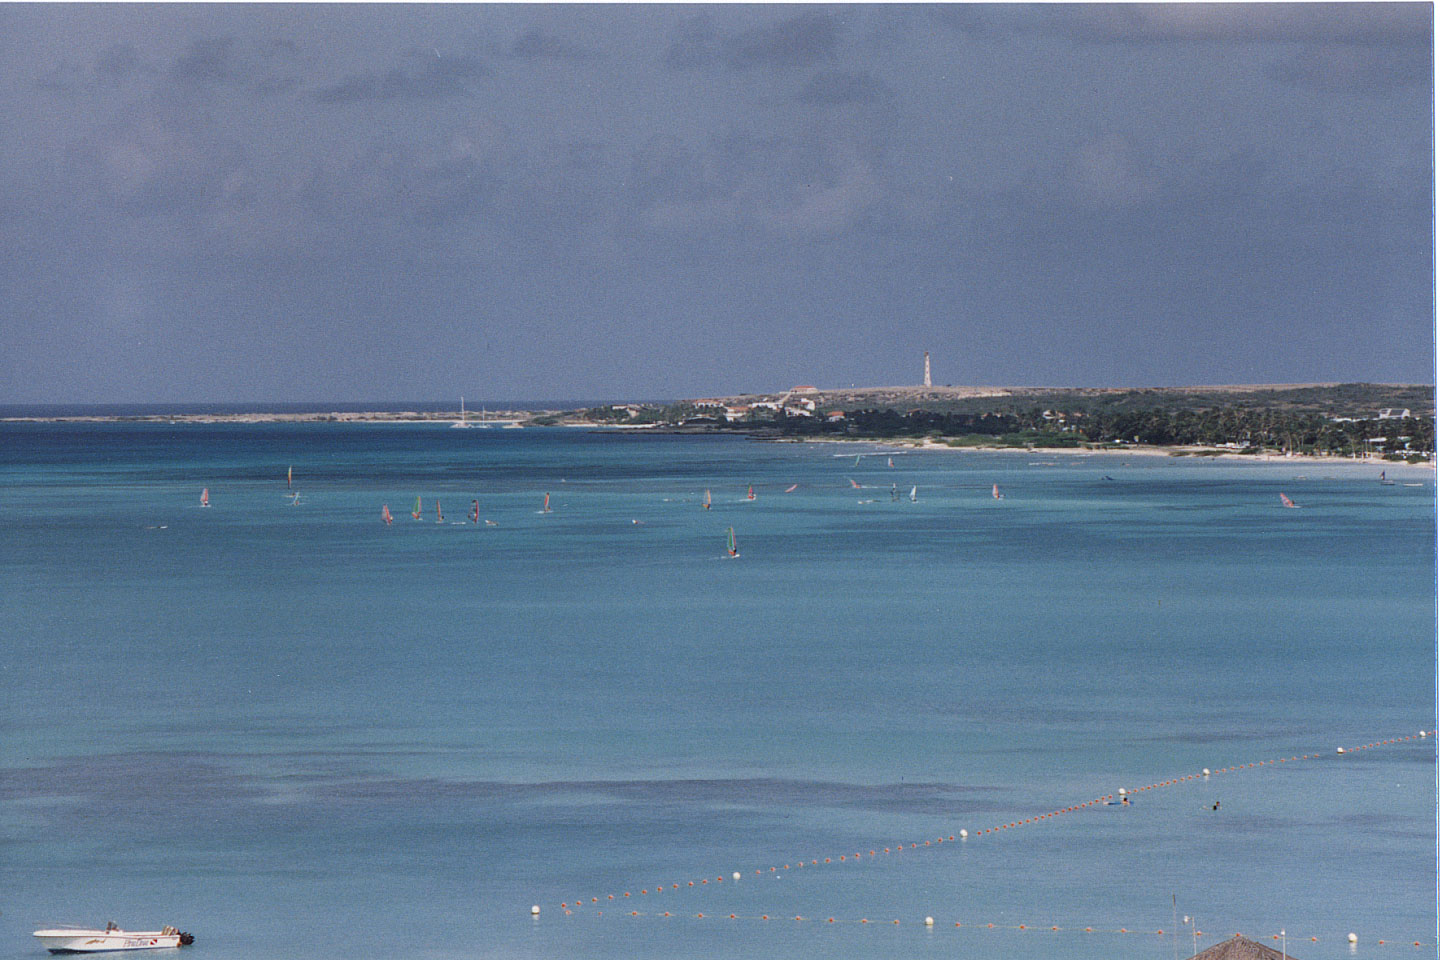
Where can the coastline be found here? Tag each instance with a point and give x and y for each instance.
(1192, 452)
(556, 418)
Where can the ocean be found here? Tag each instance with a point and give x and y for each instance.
(295, 731)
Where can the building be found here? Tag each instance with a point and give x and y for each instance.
(1239, 948)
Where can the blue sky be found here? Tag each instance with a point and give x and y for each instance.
(272, 202)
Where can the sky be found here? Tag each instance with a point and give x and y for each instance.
(247, 203)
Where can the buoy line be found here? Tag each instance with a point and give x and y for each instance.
(965, 834)
(931, 923)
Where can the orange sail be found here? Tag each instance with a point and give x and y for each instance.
(385, 514)
(205, 497)
(995, 491)
(545, 507)
(439, 514)
(1286, 501)
(289, 478)
(706, 504)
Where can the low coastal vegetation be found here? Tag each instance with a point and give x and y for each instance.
(1335, 420)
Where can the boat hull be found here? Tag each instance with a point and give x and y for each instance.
(105, 941)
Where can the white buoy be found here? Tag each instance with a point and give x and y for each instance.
(535, 910)
(1422, 734)
(1339, 749)
(735, 875)
(929, 921)
(1206, 771)
(1352, 938)
(964, 834)
(1121, 791)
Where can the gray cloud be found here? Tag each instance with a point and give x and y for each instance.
(693, 44)
(1351, 23)
(1351, 69)
(797, 42)
(433, 77)
(833, 89)
(206, 62)
(538, 45)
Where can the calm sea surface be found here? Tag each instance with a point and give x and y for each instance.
(295, 731)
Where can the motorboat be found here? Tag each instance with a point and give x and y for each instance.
(79, 940)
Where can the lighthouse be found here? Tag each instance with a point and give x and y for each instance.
(927, 368)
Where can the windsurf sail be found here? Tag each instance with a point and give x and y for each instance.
(894, 493)
(439, 514)
(545, 507)
(474, 511)
(995, 491)
(707, 498)
(205, 497)
(385, 514)
(853, 483)
(730, 548)
(857, 459)
(416, 512)
(289, 478)
(889, 461)
(791, 488)
(750, 493)
(1286, 501)
(913, 491)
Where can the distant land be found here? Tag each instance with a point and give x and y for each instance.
(1361, 420)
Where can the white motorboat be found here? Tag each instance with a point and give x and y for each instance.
(77, 940)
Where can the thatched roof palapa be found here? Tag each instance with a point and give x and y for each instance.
(1239, 948)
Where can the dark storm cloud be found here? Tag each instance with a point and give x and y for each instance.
(797, 42)
(693, 44)
(118, 62)
(1349, 69)
(833, 89)
(206, 62)
(538, 45)
(736, 184)
(1351, 23)
(433, 77)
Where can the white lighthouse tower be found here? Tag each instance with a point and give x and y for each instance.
(927, 368)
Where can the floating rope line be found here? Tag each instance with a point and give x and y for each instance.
(965, 834)
(930, 922)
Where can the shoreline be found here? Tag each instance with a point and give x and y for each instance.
(1177, 453)
(527, 418)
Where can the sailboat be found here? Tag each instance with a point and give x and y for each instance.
(416, 512)
(750, 493)
(706, 504)
(474, 511)
(913, 491)
(385, 514)
(1287, 502)
(730, 549)
(462, 422)
(545, 507)
(791, 488)
(439, 514)
(205, 497)
(995, 492)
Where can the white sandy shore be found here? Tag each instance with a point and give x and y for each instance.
(1112, 452)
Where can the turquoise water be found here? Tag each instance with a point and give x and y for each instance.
(295, 731)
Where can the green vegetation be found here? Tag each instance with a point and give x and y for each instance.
(1338, 420)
